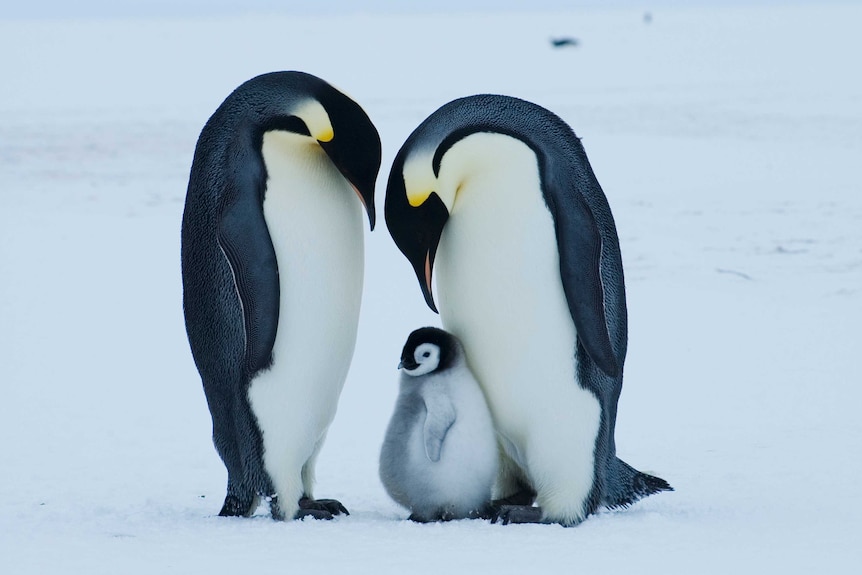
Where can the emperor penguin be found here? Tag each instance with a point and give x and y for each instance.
(439, 458)
(272, 270)
(497, 194)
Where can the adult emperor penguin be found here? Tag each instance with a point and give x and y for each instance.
(439, 457)
(498, 193)
(272, 267)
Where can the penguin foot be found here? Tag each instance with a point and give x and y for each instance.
(320, 508)
(314, 514)
(487, 511)
(507, 514)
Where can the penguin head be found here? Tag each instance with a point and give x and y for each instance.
(353, 145)
(419, 201)
(426, 178)
(429, 350)
(306, 105)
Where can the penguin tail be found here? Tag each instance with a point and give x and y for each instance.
(626, 485)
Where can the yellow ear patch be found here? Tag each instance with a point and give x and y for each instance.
(316, 119)
(417, 197)
(419, 179)
(325, 135)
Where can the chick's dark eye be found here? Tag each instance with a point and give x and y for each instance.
(426, 354)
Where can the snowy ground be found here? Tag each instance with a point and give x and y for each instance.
(728, 141)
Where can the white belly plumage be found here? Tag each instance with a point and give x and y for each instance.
(315, 223)
(500, 292)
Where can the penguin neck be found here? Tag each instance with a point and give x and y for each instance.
(485, 160)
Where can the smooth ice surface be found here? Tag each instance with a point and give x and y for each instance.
(728, 140)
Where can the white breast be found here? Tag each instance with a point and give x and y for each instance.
(315, 222)
(500, 292)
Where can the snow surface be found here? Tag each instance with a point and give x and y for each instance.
(728, 141)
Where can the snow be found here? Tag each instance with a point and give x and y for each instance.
(728, 140)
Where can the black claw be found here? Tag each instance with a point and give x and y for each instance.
(333, 506)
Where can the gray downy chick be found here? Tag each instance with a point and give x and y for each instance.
(439, 458)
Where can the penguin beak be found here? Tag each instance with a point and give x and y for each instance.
(416, 231)
(356, 154)
(367, 199)
(424, 276)
(408, 364)
(361, 182)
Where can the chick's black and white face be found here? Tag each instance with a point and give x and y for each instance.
(426, 358)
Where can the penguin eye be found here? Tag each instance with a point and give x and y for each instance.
(426, 354)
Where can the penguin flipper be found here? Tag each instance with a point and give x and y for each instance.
(580, 246)
(244, 239)
(440, 415)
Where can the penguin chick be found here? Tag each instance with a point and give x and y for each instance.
(439, 458)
